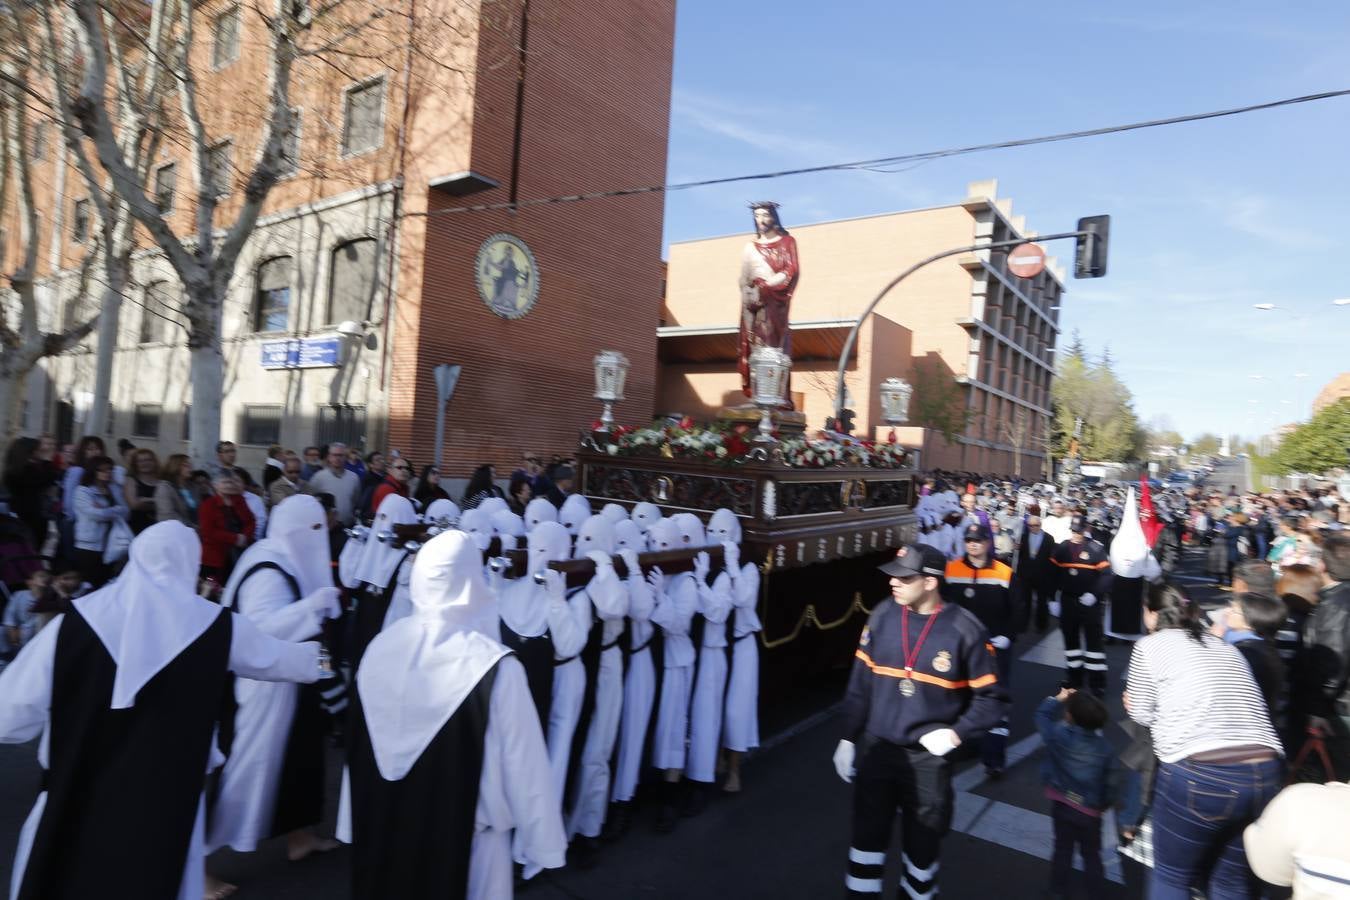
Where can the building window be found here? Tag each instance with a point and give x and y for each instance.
(158, 306)
(145, 420)
(341, 423)
(80, 221)
(363, 122)
(261, 425)
(272, 304)
(185, 430)
(166, 179)
(352, 281)
(218, 168)
(290, 145)
(226, 30)
(41, 134)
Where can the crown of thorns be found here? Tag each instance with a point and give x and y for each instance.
(763, 204)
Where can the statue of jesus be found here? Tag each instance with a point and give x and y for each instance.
(769, 273)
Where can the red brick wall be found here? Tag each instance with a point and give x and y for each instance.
(596, 116)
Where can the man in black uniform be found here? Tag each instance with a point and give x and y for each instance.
(923, 683)
(980, 584)
(1084, 578)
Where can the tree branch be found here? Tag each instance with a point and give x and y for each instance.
(90, 111)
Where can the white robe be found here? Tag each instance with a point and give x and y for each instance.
(514, 792)
(246, 804)
(740, 729)
(569, 687)
(25, 712)
(639, 690)
(610, 598)
(705, 712)
(675, 608)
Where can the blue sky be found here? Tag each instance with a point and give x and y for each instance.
(1207, 219)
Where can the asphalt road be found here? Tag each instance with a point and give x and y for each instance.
(785, 836)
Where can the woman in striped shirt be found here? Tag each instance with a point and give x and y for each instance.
(1219, 757)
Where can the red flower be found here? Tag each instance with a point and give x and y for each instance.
(741, 428)
(735, 446)
(597, 425)
(687, 423)
(890, 438)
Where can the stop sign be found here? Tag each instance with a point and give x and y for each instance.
(1027, 260)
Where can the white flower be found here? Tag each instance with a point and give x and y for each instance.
(612, 449)
(721, 452)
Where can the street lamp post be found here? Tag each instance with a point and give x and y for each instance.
(891, 285)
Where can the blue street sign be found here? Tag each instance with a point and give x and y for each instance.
(302, 353)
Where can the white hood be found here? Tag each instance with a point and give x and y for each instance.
(381, 559)
(575, 510)
(1129, 550)
(151, 613)
(724, 526)
(297, 541)
(417, 672)
(539, 510)
(596, 534)
(645, 515)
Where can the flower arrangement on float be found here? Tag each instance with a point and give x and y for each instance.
(731, 444)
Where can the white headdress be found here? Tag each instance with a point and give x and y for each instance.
(417, 672)
(151, 613)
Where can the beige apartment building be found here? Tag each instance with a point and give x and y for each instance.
(962, 326)
(433, 107)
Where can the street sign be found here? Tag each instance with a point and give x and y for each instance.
(1027, 260)
(302, 353)
(447, 376)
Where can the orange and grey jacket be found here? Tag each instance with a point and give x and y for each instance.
(985, 592)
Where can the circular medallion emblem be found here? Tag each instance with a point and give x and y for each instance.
(507, 276)
(908, 688)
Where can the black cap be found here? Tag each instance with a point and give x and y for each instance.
(1078, 524)
(977, 532)
(916, 559)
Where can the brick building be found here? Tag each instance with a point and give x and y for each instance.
(486, 103)
(964, 322)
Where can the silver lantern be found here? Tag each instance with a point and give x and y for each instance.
(769, 370)
(895, 396)
(611, 371)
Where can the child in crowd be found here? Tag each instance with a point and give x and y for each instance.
(20, 622)
(1081, 776)
(1251, 623)
(67, 584)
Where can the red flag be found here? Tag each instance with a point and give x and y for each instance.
(1148, 517)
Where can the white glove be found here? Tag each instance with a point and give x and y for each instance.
(600, 558)
(630, 561)
(940, 742)
(555, 584)
(1088, 599)
(1054, 608)
(1001, 641)
(731, 558)
(657, 579)
(508, 542)
(702, 565)
(325, 601)
(843, 761)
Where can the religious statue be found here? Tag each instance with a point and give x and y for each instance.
(769, 273)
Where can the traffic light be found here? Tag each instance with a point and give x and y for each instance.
(1089, 258)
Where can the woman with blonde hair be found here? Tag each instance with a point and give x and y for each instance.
(139, 488)
(176, 499)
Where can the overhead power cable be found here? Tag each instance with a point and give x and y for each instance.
(917, 158)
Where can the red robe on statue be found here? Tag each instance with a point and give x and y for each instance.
(768, 278)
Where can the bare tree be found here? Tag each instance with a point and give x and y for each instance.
(206, 261)
(22, 341)
(1016, 433)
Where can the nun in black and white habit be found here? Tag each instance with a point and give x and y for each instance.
(125, 690)
(448, 758)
